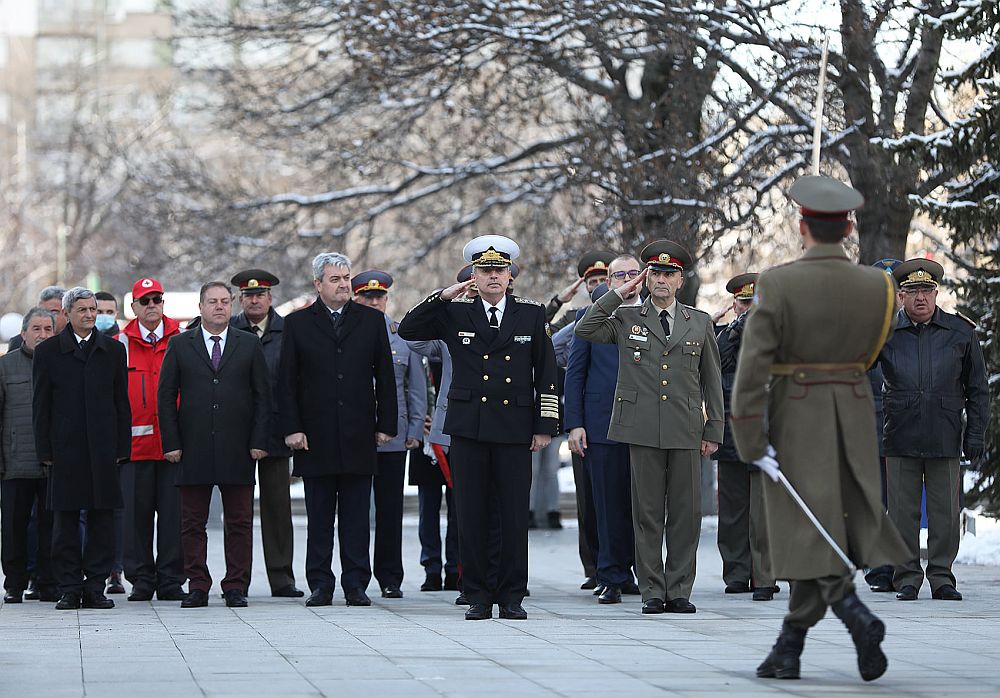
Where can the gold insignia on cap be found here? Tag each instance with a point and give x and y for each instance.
(919, 276)
(253, 283)
(745, 292)
(372, 283)
(491, 256)
(599, 265)
(664, 257)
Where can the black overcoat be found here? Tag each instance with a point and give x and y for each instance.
(214, 417)
(337, 386)
(82, 419)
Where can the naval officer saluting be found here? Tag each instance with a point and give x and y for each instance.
(502, 407)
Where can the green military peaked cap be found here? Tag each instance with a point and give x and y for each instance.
(825, 197)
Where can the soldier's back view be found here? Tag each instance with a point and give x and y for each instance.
(801, 385)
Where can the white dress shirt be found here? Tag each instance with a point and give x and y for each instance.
(158, 332)
(83, 339)
(208, 339)
(501, 306)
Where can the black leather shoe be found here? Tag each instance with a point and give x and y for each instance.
(171, 594)
(357, 598)
(431, 583)
(611, 594)
(867, 632)
(763, 594)
(513, 611)
(392, 593)
(320, 597)
(532, 524)
(737, 588)
(679, 605)
(946, 592)
(31, 593)
(115, 585)
(479, 611)
(650, 606)
(881, 584)
(451, 581)
(462, 600)
(97, 600)
(907, 593)
(235, 598)
(47, 594)
(589, 583)
(140, 594)
(196, 598)
(630, 588)
(527, 593)
(288, 592)
(783, 661)
(555, 519)
(599, 589)
(13, 596)
(69, 601)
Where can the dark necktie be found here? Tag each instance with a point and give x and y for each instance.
(216, 352)
(335, 316)
(83, 345)
(494, 322)
(665, 322)
(257, 331)
(151, 338)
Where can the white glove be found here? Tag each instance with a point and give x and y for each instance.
(429, 451)
(768, 464)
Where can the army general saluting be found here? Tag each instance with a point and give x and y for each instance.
(801, 386)
(668, 367)
(502, 405)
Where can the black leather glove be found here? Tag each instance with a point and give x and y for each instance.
(973, 452)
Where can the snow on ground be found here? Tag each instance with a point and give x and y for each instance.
(983, 546)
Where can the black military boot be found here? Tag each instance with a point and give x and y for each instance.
(783, 661)
(867, 631)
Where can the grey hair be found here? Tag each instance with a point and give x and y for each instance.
(77, 293)
(51, 293)
(38, 312)
(329, 259)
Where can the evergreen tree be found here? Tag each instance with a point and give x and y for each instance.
(964, 158)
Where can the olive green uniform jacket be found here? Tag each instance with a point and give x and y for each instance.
(662, 383)
(801, 385)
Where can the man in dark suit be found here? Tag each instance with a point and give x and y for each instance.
(82, 422)
(214, 403)
(259, 318)
(336, 403)
(502, 407)
(591, 377)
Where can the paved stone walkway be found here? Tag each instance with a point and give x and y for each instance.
(421, 646)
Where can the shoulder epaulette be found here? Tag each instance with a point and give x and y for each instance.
(518, 299)
(463, 299)
(394, 327)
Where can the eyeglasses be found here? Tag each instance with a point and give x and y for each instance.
(146, 300)
(632, 273)
(916, 292)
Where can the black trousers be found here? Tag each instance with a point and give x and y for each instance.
(429, 498)
(492, 479)
(17, 497)
(352, 493)
(75, 570)
(587, 518)
(151, 495)
(388, 486)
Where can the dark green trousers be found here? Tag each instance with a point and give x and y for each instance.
(809, 598)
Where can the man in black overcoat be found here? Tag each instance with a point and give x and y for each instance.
(82, 425)
(336, 403)
(215, 409)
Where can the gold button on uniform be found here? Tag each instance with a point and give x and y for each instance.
(508, 380)
(663, 382)
(506, 358)
(664, 367)
(662, 397)
(486, 378)
(484, 398)
(506, 402)
(486, 356)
